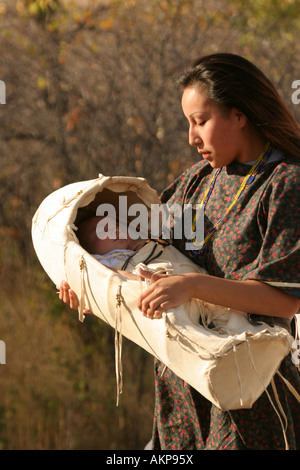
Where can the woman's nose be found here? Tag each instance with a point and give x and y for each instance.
(194, 138)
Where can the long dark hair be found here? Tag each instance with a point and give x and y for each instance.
(231, 81)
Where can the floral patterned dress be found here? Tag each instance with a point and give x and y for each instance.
(258, 239)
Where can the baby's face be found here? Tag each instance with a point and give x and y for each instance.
(114, 239)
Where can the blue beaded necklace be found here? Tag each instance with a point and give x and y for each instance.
(262, 159)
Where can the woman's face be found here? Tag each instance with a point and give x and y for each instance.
(218, 135)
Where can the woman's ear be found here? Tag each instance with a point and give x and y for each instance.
(240, 116)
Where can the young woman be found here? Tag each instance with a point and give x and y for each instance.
(248, 180)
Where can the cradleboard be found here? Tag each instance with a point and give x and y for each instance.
(231, 363)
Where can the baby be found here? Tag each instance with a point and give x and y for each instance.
(118, 246)
(110, 251)
(110, 246)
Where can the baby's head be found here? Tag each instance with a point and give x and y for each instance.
(100, 235)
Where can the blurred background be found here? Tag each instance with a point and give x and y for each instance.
(90, 88)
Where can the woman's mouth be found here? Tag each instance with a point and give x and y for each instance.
(205, 154)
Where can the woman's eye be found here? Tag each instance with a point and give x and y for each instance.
(201, 123)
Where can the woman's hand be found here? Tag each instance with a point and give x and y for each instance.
(68, 296)
(167, 291)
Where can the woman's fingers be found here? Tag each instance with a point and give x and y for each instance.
(64, 292)
(73, 300)
(153, 308)
(166, 293)
(68, 296)
(154, 301)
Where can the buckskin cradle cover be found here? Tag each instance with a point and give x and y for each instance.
(231, 365)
